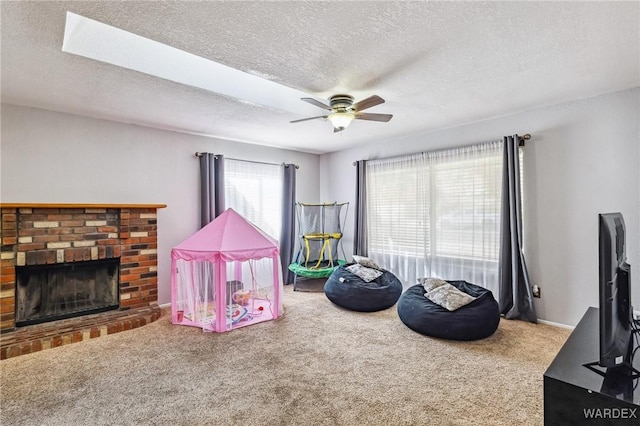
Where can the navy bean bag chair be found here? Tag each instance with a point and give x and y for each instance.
(355, 294)
(477, 320)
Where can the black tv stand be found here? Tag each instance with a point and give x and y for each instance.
(576, 394)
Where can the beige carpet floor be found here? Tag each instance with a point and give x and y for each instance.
(318, 365)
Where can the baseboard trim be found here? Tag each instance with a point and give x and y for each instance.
(636, 315)
(556, 324)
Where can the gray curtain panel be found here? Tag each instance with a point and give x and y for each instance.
(218, 174)
(360, 227)
(211, 187)
(516, 296)
(287, 236)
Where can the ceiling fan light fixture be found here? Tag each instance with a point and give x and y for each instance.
(341, 120)
(343, 111)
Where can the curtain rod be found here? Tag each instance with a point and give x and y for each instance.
(522, 138)
(199, 154)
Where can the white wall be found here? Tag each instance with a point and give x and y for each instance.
(582, 160)
(54, 157)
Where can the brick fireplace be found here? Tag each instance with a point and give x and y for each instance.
(36, 235)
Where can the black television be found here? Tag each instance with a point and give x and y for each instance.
(616, 312)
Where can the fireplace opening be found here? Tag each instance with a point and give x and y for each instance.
(51, 292)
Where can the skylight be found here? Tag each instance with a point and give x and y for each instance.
(95, 40)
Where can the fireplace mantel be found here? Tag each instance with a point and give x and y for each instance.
(79, 205)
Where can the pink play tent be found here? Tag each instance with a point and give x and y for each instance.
(231, 267)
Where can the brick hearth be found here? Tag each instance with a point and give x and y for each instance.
(39, 234)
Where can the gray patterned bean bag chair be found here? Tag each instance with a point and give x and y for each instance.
(352, 292)
(476, 320)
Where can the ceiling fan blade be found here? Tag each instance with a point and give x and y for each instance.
(374, 117)
(369, 102)
(316, 103)
(309, 118)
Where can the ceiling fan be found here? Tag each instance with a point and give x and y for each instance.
(343, 110)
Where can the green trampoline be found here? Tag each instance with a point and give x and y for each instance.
(320, 233)
(313, 272)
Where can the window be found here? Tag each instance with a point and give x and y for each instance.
(255, 191)
(437, 213)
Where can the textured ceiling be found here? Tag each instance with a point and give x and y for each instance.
(437, 64)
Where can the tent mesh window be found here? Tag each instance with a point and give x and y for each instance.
(248, 297)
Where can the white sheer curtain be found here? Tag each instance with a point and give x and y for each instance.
(437, 214)
(255, 191)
